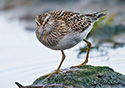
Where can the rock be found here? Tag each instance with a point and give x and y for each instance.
(42, 86)
(84, 77)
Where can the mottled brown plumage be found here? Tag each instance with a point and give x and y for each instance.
(76, 21)
(60, 30)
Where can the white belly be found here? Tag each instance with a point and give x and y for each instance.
(71, 39)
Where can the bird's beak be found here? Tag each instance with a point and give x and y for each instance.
(41, 31)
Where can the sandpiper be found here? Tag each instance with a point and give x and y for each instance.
(60, 30)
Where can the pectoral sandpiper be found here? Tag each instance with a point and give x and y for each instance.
(60, 30)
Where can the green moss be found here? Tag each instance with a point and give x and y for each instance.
(86, 76)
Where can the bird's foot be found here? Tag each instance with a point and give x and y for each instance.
(55, 72)
(78, 66)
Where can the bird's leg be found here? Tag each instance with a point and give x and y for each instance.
(57, 70)
(86, 60)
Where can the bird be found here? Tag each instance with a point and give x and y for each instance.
(61, 30)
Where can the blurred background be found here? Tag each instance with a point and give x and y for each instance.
(23, 58)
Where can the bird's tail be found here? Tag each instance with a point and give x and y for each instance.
(95, 16)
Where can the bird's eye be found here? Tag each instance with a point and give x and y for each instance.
(47, 20)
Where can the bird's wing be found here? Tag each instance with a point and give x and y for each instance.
(76, 21)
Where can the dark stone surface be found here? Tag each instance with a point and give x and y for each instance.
(85, 77)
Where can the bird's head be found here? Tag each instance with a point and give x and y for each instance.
(45, 24)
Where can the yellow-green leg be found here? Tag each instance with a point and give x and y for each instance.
(58, 69)
(86, 60)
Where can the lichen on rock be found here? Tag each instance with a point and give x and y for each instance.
(85, 77)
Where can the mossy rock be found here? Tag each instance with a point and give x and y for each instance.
(85, 77)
